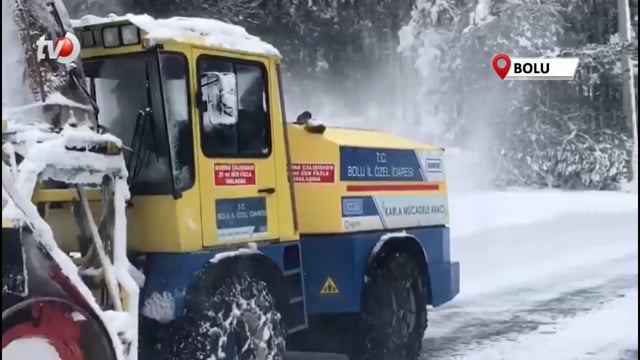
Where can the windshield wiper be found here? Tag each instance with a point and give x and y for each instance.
(137, 140)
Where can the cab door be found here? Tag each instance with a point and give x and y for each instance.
(237, 170)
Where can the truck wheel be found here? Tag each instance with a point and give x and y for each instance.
(234, 319)
(394, 315)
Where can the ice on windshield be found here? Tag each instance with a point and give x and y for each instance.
(219, 94)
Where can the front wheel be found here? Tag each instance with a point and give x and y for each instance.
(394, 315)
(233, 318)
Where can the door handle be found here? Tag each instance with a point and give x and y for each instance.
(268, 190)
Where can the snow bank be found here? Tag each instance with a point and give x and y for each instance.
(479, 211)
(600, 334)
(213, 32)
(505, 240)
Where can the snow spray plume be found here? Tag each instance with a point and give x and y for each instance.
(43, 81)
(380, 97)
(400, 95)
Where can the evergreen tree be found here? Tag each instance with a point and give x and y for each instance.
(423, 68)
(545, 133)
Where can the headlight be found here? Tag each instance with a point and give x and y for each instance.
(130, 34)
(111, 37)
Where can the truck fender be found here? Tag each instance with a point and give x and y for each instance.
(253, 262)
(406, 243)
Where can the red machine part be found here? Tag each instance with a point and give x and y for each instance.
(51, 321)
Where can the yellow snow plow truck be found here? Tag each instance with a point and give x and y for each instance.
(192, 221)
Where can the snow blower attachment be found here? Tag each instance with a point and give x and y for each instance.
(80, 309)
(58, 171)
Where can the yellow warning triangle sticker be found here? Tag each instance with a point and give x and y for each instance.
(329, 287)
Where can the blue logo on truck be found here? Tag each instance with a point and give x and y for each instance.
(365, 164)
(352, 207)
(433, 165)
(241, 218)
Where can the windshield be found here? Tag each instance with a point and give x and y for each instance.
(133, 97)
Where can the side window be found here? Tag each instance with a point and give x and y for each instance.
(234, 114)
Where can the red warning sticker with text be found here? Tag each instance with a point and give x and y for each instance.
(313, 173)
(234, 174)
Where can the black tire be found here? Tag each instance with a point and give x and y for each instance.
(234, 317)
(394, 295)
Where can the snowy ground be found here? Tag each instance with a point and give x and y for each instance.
(545, 275)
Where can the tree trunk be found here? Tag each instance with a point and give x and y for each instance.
(628, 86)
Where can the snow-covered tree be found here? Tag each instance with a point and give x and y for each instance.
(546, 133)
(423, 68)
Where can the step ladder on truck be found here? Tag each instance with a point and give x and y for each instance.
(197, 223)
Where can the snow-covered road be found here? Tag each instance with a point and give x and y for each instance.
(546, 298)
(545, 275)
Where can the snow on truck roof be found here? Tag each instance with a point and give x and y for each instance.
(206, 32)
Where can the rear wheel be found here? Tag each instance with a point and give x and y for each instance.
(52, 329)
(234, 318)
(394, 316)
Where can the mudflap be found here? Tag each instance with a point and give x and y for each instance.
(14, 271)
(445, 282)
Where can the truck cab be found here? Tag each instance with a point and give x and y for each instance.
(204, 124)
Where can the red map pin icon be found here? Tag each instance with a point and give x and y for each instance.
(504, 70)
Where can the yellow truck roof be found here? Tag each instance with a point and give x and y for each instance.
(372, 139)
(208, 33)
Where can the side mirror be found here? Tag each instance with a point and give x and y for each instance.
(310, 125)
(303, 117)
(217, 98)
